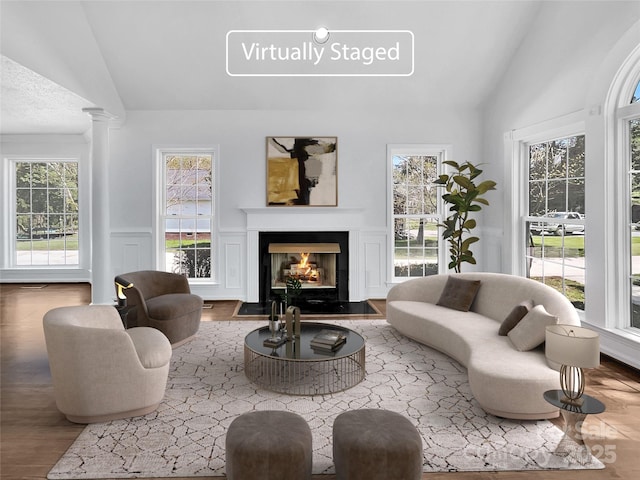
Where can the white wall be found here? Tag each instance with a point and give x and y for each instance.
(362, 182)
(560, 75)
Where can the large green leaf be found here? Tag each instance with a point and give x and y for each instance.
(442, 180)
(471, 195)
(463, 181)
(451, 163)
(485, 186)
(471, 223)
(465, 244)
(468, 259)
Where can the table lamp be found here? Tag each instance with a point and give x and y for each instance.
(121, 286)
(574, 348)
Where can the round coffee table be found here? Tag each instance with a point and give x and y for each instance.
(295, 368)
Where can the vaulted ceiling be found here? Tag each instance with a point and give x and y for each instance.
(61, 56)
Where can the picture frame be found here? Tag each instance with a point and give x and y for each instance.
(302, 171)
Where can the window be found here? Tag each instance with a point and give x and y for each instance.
(187, 212)
(555, 223)
(46, 213)
(631, 131)
(636, 94)
(416, 210)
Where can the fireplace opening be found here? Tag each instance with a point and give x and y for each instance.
(311, 264)
(318, 260)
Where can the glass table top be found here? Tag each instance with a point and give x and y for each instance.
(300, 349)
(589, 406)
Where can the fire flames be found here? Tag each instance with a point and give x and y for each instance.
(304, 270)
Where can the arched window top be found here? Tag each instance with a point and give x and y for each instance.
(636, 94)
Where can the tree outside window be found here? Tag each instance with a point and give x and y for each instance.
(188, 213)
(46, 215)
(415, 214)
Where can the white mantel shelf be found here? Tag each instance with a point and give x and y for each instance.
(302, 218)
(299, 209)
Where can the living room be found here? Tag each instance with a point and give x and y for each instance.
(488, 79)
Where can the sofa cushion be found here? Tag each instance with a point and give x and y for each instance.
(172, 305)
(459, 293)
(517, 314)
(530, 331)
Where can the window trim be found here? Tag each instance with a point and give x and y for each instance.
(159, 202)
(617, 111)
(443, 152)
(10, 251)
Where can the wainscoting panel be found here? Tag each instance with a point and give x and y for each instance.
(131, 251)
(232, 266)
(374, 247)
(232, 282)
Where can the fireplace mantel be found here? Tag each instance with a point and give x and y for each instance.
(301, 219)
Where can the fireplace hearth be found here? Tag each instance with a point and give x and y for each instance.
(310, 307)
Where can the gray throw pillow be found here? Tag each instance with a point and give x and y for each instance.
(531, 330)
(459, 294)
(517, 314)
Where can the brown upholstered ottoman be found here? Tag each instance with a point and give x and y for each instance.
(268, 445)
(374, 444)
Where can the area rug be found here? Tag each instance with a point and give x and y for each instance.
(207, 389)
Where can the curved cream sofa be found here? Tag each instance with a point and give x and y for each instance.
(505, 382)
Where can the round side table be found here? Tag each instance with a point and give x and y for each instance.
(574, 416)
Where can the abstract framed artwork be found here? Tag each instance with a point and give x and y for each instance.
(302, 171)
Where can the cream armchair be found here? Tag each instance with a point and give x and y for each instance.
(161, 300)
(101, 371)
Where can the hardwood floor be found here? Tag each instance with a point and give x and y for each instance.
(34, 434)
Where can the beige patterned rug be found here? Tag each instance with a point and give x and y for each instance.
(207, 389)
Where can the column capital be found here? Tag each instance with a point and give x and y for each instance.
(97, 113)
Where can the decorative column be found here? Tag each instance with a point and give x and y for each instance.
(102, 286)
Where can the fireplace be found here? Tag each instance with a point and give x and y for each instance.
(318, 260)
(312, 265)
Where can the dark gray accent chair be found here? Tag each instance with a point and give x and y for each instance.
(164, 301)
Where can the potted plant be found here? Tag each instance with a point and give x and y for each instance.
(292, 289)
(463, 197)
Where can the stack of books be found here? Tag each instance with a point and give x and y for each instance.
(328, 340)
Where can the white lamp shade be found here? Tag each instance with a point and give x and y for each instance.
(572, 345)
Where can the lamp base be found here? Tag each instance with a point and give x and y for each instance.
(572, 384)
(572, 401)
